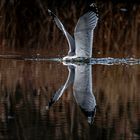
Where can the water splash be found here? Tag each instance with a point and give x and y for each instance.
(115, 61)
(91, 61)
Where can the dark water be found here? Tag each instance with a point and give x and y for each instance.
(26, 88)
(46, 99)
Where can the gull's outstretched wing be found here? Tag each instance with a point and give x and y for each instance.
(61, 90)
(84, 32)
(68, 36)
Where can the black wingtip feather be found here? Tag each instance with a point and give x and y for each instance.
(51, 13)
(92, 7)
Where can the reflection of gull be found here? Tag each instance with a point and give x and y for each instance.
(81, 77)
(61, 90)
(82, 89)
(81, 44)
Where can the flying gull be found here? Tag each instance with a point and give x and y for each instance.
(81, 45)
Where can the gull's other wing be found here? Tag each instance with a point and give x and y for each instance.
(70, 39)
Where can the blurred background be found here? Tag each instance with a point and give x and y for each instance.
(26, 27)
(26, 86)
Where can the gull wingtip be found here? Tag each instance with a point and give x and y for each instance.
(51, 13)
(94, 8)
(49, 10)
(93, 4)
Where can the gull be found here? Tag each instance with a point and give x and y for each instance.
(80, 76)
(80, 46)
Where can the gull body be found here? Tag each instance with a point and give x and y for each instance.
(80, 46)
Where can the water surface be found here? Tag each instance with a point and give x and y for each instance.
(28, 86)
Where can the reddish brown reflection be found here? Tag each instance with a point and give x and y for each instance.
(27, 86)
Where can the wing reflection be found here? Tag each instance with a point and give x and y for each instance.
(82, 90)
(61, 90)
(81, 78)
